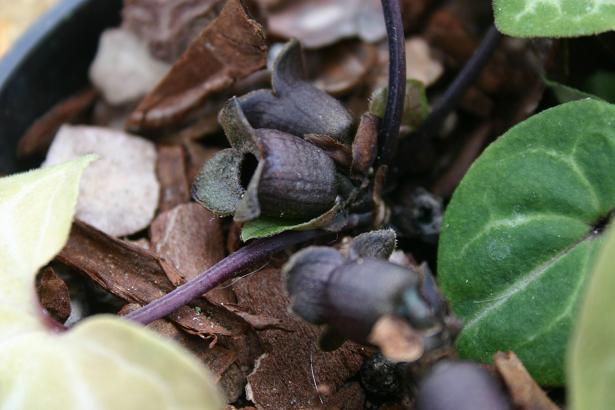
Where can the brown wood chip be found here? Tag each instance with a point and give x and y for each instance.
(231, 47)
(291, 371)
(171, 172)
(53, 294)
(349, 397)
(525, 392)
(344, 66)
(138, 276)
(191, 239)
(39, 136)
(166, 26)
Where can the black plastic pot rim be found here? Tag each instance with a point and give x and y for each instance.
(27, 43)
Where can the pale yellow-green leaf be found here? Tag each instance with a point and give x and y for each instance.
(36, 212)
(104, 362)
(591, 354)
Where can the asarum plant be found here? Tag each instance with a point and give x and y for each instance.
(291, 165)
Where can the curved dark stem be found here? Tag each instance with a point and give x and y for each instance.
(462, 82)
(251, 254)
(389, 127)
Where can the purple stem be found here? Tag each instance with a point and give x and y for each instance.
(389, 127)
(251, 254)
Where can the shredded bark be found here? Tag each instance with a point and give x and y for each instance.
(289, 373)
(171, 172)
(138, 276)
(39, 136)
(191, 239)
(168, 27)
(231, 47)
(348, 397)
(524, 391)
(344, 66)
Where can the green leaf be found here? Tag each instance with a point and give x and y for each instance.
(554, 18)
(104, 362)
(518, 235)
(416, 106)
(36, 212)
(265, 227)
(564, 93)
(592, 349)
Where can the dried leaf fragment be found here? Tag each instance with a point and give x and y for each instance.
(420, 62)
(168, 27)
(524, 391)
(344, 66)
(231, 47)
(396, 339)
(119, 192)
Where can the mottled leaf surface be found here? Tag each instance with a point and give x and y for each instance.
(104, 362)
(554, 18)
(520, 234)
(592, 351)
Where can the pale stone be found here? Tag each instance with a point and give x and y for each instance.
(123, 70)
(119, 192)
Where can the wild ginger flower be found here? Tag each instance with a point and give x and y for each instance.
(266, 172)
(293, 104)
(351, 293)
